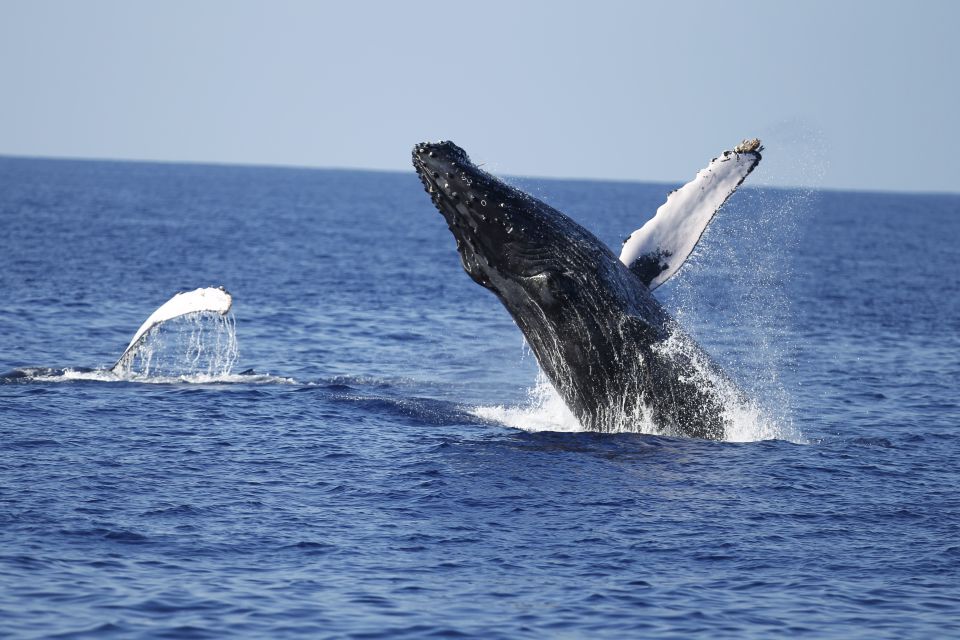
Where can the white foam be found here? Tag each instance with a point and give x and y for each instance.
(69, 375)
(104, 375)
(221, 378)
(749, 422)
(545, 410)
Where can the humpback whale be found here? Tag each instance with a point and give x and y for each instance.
(610, 349)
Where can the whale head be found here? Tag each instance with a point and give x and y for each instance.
(525, 251)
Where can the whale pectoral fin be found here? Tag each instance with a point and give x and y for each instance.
(657, 250)
(209, 299)
(648, 266)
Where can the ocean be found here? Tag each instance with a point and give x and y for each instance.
(381, 458)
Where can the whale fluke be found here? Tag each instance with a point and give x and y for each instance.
(209, 299)
(657, 250)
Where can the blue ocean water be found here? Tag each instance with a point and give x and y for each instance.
(394, 468)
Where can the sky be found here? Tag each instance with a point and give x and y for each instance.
(845, 94)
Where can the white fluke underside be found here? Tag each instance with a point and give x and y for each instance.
(209, 299)
(667, 239)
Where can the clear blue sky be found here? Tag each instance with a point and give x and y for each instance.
(845, 93)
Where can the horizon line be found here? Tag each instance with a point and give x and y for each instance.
(281, 165)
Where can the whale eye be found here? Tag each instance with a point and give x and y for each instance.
(546, 287)
(541, 274)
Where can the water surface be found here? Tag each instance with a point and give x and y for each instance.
(388, 472)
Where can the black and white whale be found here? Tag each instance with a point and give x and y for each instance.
(610, 349)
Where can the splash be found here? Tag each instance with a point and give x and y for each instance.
(746, 420)
(48, 375)
(199, 346)
(544, 410)
(731, 297)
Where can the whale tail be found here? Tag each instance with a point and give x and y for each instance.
(209, 299)
(657, 250)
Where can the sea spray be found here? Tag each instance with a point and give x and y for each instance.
(544, 410)
(733, 286)
(196, 344)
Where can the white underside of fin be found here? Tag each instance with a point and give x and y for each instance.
(661, 246)
(211, 299)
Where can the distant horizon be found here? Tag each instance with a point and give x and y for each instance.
(751, 184)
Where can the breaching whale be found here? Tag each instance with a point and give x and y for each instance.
(613, 353)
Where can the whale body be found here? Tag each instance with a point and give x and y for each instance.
(613, 353)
